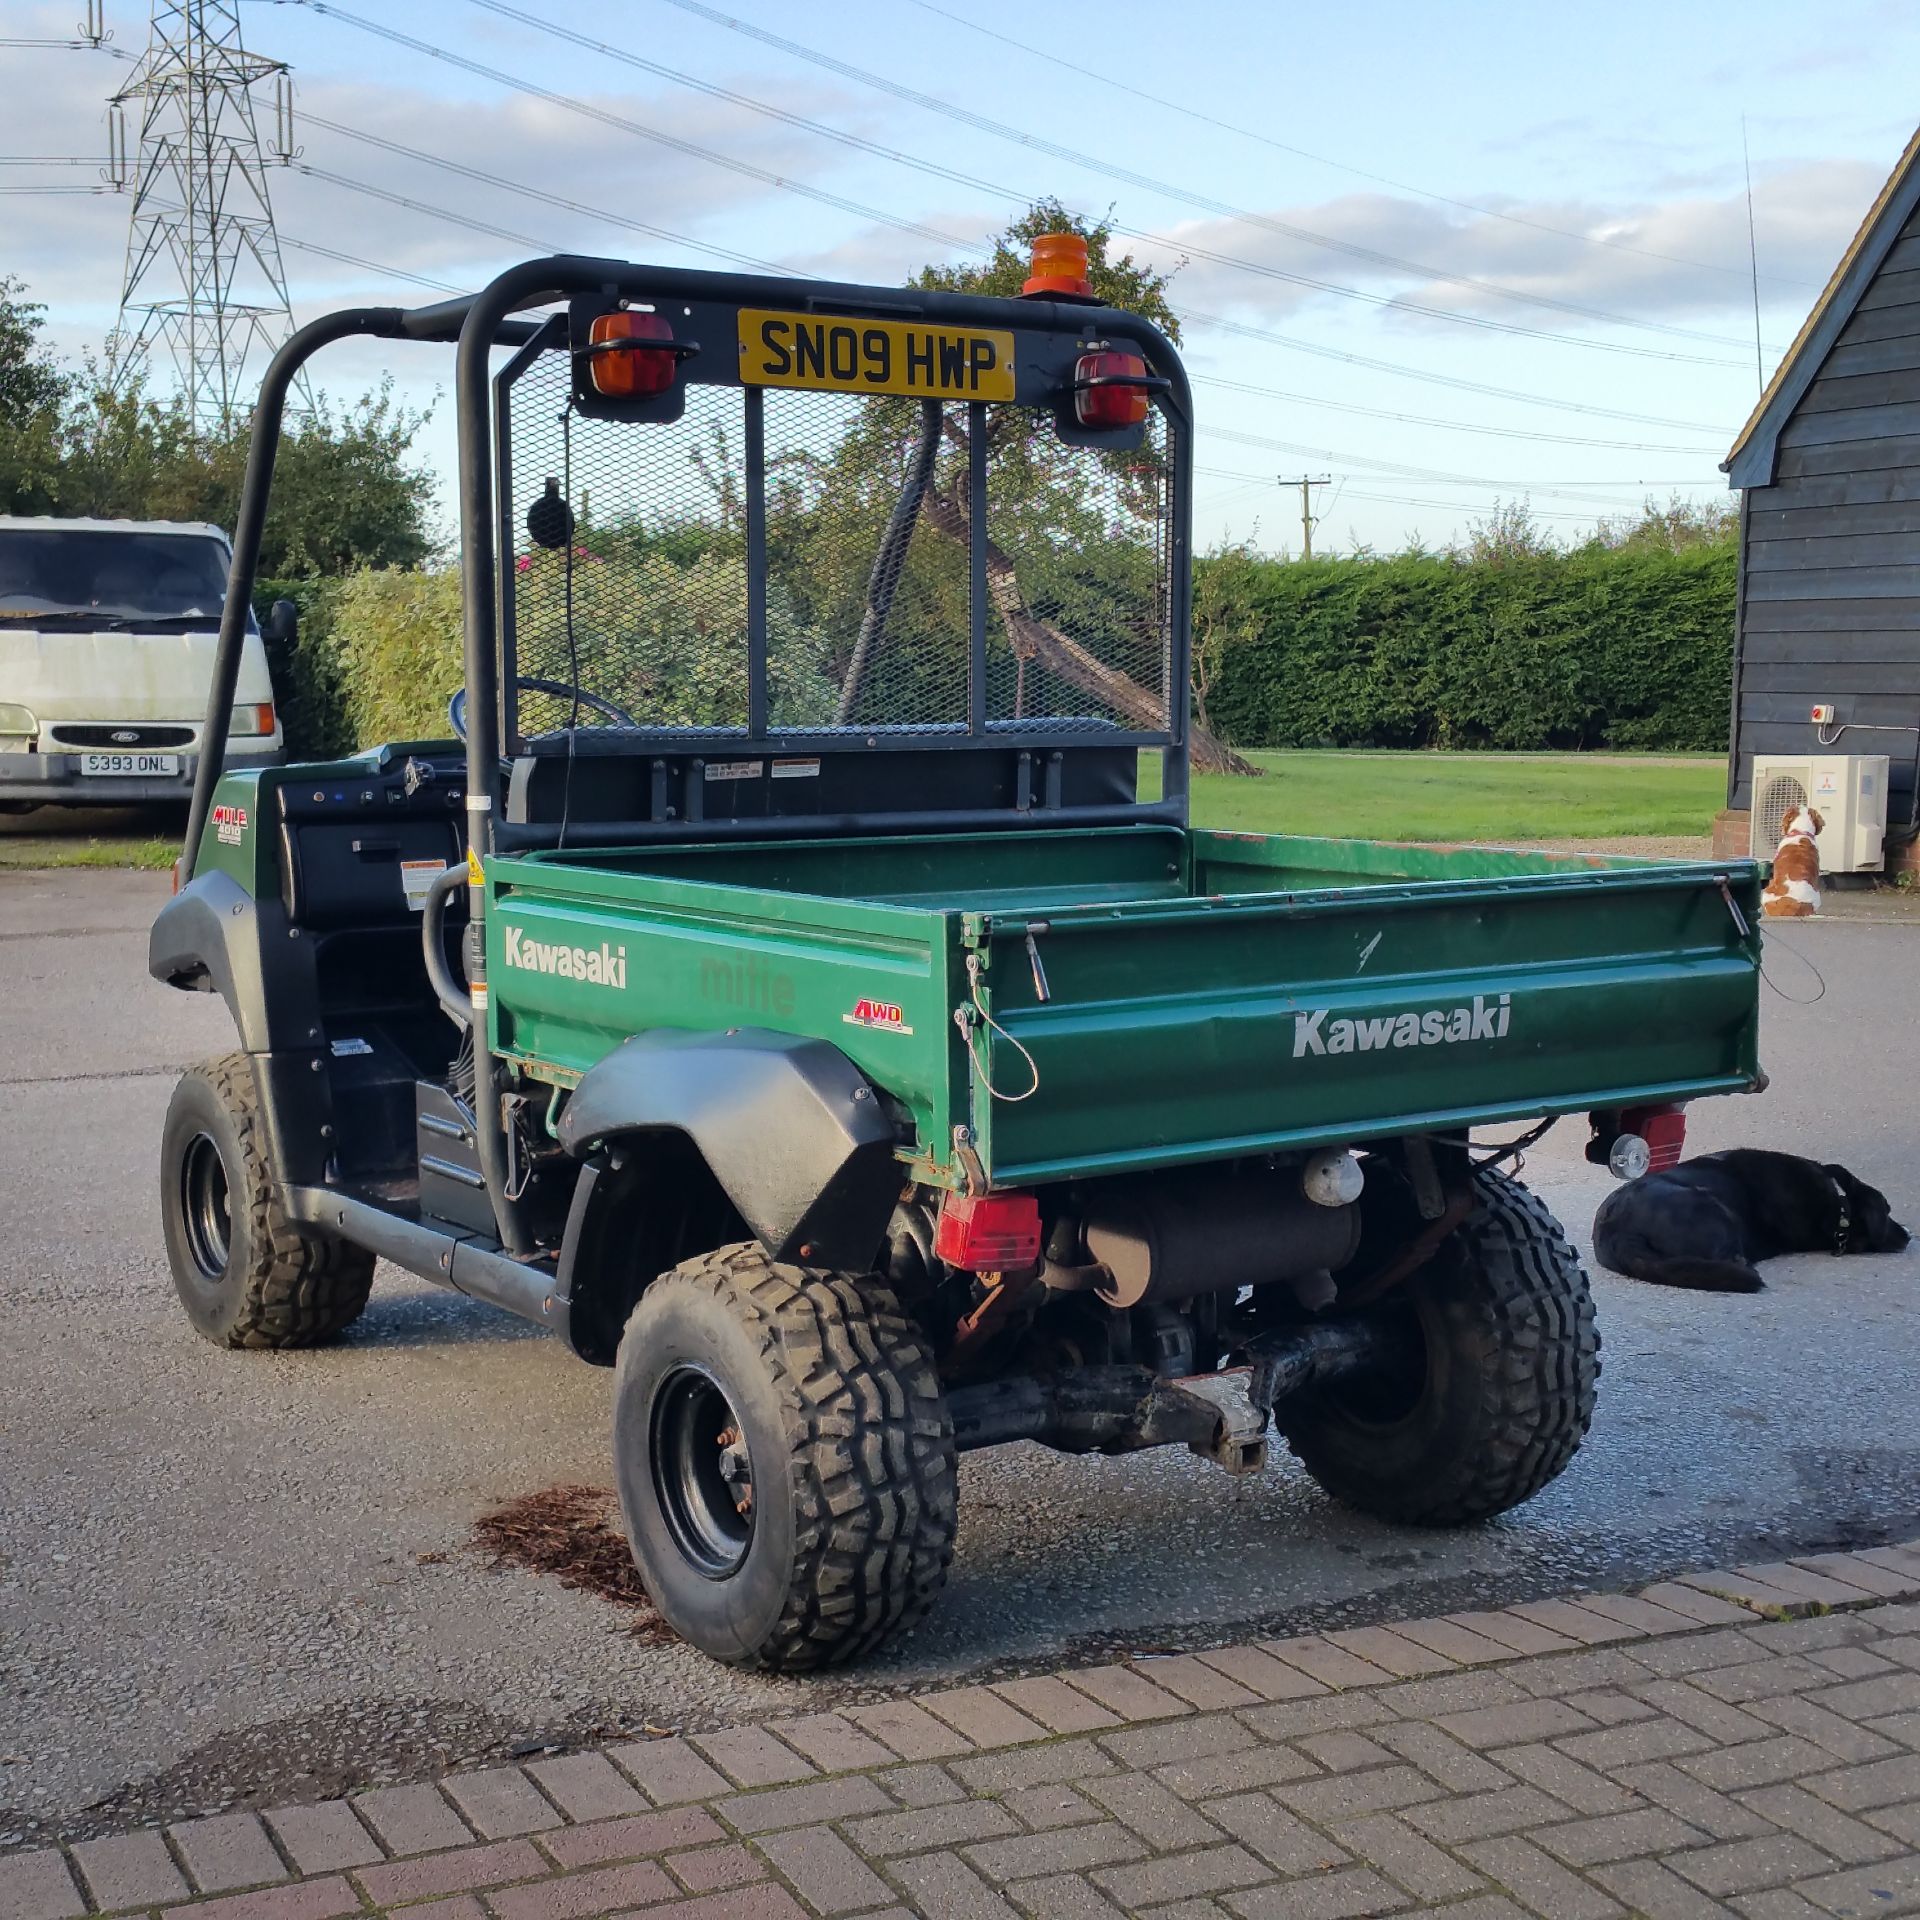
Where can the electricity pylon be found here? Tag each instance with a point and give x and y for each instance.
(203, 275)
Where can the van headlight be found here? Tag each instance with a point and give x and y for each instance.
(253, 721)
(17, 727)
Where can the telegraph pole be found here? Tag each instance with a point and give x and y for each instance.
(1306, 482)
(203, 273)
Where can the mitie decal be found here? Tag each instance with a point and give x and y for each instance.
(229, 825)
(601, 966)
(1484, 1019)
(877, 1013)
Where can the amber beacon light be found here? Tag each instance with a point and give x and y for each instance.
(1059, 269)
(635, 373)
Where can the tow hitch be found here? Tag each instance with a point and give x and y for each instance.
(1128, 1409)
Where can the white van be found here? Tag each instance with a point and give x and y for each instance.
(106, 655)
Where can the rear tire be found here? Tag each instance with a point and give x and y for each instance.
(1499, 1390)
(247, 1275)
(785, 1461)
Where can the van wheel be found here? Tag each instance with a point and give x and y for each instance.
(785, 1461)
(1497, 1390)
(247, 1275)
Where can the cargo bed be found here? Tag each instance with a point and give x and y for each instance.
(1206, 994)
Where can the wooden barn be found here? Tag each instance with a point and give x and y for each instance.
(1828, 608)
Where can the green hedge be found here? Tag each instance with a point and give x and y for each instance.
(1594, 648)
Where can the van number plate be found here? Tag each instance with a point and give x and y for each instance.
(129, 763)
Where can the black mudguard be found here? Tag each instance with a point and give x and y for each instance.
(215, 937)
(790, 1129)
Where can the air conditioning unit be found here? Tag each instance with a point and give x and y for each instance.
(1847, 790)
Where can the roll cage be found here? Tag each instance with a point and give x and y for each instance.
(1032, 755)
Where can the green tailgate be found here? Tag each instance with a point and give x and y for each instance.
(1208, 994)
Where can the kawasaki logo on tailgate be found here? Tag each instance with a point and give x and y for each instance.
(601, 966)
(1484, 1019)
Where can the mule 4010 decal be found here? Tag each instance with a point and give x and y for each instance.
(1483, 1018)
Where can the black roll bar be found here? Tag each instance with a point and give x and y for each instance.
(441, 322)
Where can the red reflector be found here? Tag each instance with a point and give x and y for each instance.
(988, 1232)
(1104, 395)
(1664, 1129)
(644, 371)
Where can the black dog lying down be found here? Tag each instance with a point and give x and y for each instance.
(1706, 1222)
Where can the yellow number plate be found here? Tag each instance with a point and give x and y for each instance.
(874, 356)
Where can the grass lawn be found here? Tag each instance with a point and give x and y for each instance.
(1466, 796)
(92, 837)
(1364, 796)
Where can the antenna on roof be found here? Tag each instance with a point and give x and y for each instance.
(1753, 261)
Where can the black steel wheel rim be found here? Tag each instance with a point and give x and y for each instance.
(206, 1207)
(702, 1473)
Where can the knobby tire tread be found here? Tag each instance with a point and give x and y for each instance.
(299, 1289)
(870, 1454)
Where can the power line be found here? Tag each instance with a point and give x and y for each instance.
(1449, 426)
(1336, 457)
(605, 117)
(1077, 67)
(623, 221)
(370, 266)
(619, 220)
(1247, 330)
(1244, 329)
(1054, 149)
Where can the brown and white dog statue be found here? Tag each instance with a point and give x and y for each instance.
(1794, 889)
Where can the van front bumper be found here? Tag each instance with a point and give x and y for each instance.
(55, 780)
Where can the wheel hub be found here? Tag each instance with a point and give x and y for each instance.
(702, 1471)
(206, 1207)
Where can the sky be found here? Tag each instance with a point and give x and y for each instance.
(1446, 256)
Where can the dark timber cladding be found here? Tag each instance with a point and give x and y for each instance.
(1829, 598)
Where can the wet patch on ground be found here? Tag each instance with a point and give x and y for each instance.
(571, 1534)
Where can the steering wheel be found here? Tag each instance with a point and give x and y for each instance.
(532, 683)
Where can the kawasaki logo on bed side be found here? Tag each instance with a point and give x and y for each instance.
(601, 966)
(1485, 1019)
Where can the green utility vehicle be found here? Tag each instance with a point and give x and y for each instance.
(785, 988)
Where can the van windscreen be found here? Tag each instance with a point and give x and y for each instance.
(157, 576)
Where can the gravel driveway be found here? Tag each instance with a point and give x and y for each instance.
(227, 1577)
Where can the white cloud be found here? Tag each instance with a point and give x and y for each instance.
(1680, 259)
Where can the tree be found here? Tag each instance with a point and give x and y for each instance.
(1030, 586)
(33, 391)
(1508, 533)
(97, 441)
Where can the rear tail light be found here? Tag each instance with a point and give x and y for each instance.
(988, 1232)
(1636, 1140)
(638, 372)
(1111, 389)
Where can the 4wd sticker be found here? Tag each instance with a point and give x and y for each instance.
(229, 825)
(601, 966)
(877, 1013)
(1485, 1019)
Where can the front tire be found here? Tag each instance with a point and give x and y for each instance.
(1498, 1390)
(785, 1461)
(247, 1275)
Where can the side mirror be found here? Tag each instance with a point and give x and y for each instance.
(282, 623)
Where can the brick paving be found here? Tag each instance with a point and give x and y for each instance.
(1743, 1743)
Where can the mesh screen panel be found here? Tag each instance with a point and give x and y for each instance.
(638, 593)
(1077, 571)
